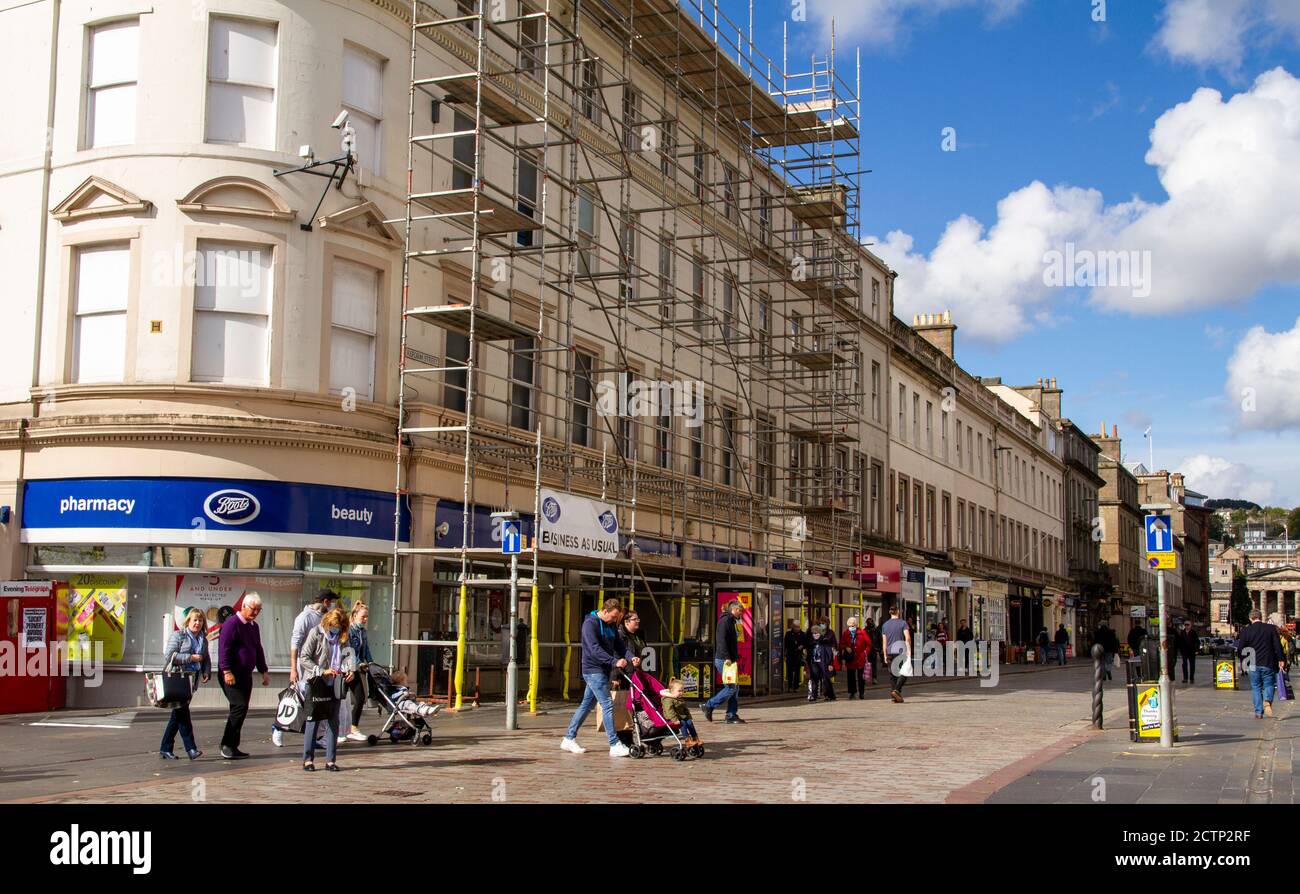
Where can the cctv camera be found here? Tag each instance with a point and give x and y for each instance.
(340, 120)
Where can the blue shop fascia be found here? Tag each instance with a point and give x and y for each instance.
(157, 546)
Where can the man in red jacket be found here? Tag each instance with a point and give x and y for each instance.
(855, 645)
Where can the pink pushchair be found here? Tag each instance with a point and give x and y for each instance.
(650, 729)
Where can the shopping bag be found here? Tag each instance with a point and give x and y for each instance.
(905, 669)
(730, 673)
(622, 716)
(1284, 693)
(320, 698)
(290, 714)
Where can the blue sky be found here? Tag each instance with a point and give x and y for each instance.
(1039, 91)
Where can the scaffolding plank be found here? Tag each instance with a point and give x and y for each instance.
(823, 435)
(498, 105)
(818, 360)
(494, 216)
(487, 326)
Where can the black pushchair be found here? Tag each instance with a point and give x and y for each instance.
(408, 720)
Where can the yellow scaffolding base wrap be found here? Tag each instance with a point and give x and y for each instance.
(533, 650)
(460, 643)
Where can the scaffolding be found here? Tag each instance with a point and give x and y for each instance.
(553, 148)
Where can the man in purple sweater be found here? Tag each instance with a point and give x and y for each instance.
(240, 653)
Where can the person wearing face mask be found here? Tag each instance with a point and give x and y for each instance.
(328, 664)
(855, 645)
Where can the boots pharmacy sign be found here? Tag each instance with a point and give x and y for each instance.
(578, 526)
(216, 512)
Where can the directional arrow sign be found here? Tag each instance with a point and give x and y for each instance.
(510, 537)
(1160, 534)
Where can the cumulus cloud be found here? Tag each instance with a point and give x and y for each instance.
(888, 21)
(1230, 225)
(1215, 33)
(1262, 376)
(1222, 479)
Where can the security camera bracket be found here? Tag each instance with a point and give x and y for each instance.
(338, 172)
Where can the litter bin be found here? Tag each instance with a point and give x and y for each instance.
(1143, 701)
(1149, 655)
(1225, 667)
(695, 668)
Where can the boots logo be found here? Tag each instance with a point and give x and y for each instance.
(551, 509)
(232, 507)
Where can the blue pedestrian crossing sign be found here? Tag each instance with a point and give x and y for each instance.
(1160, 534)
(510, 537)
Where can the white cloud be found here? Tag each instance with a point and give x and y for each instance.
(1214, 33)
(887, 21)
(1222, 479)
(1262, 376)
(1229, 226)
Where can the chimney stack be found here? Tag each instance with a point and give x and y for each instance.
(938, 329)
(1110, 446)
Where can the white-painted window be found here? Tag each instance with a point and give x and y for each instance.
(354, 306)
(112, 70)
(99, 321)
(241, 82)
(363, 97)
(232, 310)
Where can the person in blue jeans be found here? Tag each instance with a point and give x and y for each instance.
(726, 648)
(603, 650)
(1261, 655)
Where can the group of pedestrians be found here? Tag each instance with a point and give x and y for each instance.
(820, 654)
(328, 653)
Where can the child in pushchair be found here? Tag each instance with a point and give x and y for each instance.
(407, 718)
(651, 728)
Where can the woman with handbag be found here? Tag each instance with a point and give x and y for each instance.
(186, 653)
(327, 664)
(854, 646)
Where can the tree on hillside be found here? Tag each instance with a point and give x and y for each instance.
(1293, 523)
(1239, 608)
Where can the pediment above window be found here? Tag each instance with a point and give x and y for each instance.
(97, 197)
(238, 196)
(364, 220)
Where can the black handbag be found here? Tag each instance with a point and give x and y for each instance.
(166, 689)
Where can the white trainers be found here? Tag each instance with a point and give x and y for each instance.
(572, 745)
(342, 740)
(356, 736)
(619, 750)
(277, 738)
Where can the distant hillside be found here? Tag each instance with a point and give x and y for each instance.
(1232, 504)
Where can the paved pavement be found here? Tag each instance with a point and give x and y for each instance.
(952, 740)
(1223, 756)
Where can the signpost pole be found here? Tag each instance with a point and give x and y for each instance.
(1166, 706)
(512, 669)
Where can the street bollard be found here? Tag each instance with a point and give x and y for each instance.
(1098, 669)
